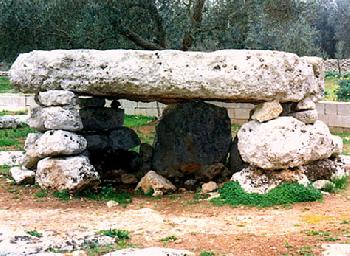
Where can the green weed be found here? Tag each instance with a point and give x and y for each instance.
(233, 194)
(168, 239)
(206, 253)
(41, 193)
(62, 195)
(34, 233)
(116, 233)
(137, 120)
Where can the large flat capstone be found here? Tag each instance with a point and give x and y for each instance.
(172, 76)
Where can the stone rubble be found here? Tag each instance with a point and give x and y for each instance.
(153, 182)
(22, 175)
(267, 111)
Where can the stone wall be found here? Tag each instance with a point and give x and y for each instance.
(333, 65)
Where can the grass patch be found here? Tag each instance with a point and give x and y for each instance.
(62, 195)
(107, 193)
(340, 183)
(41, 193)
(331, 87)
(13, 113)
(5, 170)
(233, 194)
(5, 85)
(116, 233)
(346, 141)
(137, 120)
(206, 253)
(34, 233)
(13, 139)
(168, 239)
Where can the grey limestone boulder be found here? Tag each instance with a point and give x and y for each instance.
(66, 173)
(267, 111)
(284, 143)
(21, 175)
(155, 183)
(307, 116)
(172, 76)
(57, 98)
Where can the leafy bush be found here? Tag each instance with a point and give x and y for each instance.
(116, 233)
(343, 91)
(233, 194)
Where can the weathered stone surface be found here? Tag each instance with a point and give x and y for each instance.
(284, 143)
(70, 173)
(96, 119)
(57, 98)
(11, 158)
(267, 111)
(92, 102)
(255, 180)
(209, 187)
(209, 172)
(7, 122)
(97, 142)
(152, 251)
(170, 76)
(324, 169)
(123, 138)
(55, 118)
(52, 143)
(190, 136)
(338, 142)
(146, 154)
(323, 184)
(22, 175)
(307, 116)
(306, 104)
(153, 181)
(336, 249)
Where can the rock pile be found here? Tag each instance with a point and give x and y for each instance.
(282, 142)
(56, 154)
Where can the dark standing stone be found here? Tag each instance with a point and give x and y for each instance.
(190, 136)
(97, 119)
(92, 102)
(146, 153)
(236, 163)
(123, 138)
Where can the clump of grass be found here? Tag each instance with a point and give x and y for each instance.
(233, 194)
(62, 195)
(4, 170)
(14, 137)
(206, 253)
(336, 184)
(137, 120)
(34, 233)
(317, 233)
(116, 233)
(41, 193)
(168, 239)
(5, 85)
(107, 193)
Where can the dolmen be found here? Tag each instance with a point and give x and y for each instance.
(81, 140)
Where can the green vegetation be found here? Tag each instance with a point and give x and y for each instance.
(206, 253)
(343, 90)
(137, 120)
(13, 139)
(346, 140)
(4, 170)
(5, 85)
(107, 193)
(34, 233)
(41, 193)
(168, 239)
(62, 195)
(13, 113)
(232, 194)
(116, 233)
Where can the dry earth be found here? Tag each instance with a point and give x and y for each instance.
(197, 225)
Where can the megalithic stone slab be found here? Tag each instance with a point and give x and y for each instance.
(172, 76)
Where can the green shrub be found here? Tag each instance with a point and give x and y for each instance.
(41, 193)
(340, 183)
(116, 233)
(206, 253)
(233, 194)
(34, 233)
(343, 91)
(62, 195)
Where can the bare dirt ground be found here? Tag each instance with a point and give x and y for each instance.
(198, 226)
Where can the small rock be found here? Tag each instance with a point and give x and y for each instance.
(97, 119)
(213, 195)
(267, 111)
(182, 190)
(7, 122)
(127, 178)
(306, 104)
(66, 173)
(155, 182)
(307, 116)
(322, 184)
(21, 175)
(190, 184)
(57, 98)
(209, 187)
(254, 180)
(111, 204)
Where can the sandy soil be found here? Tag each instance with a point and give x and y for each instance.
(197, 226)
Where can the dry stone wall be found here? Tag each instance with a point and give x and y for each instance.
(82, 142)
(335, 65)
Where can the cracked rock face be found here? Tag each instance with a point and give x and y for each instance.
(66, 173)
(172, 76)
(284, 143)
